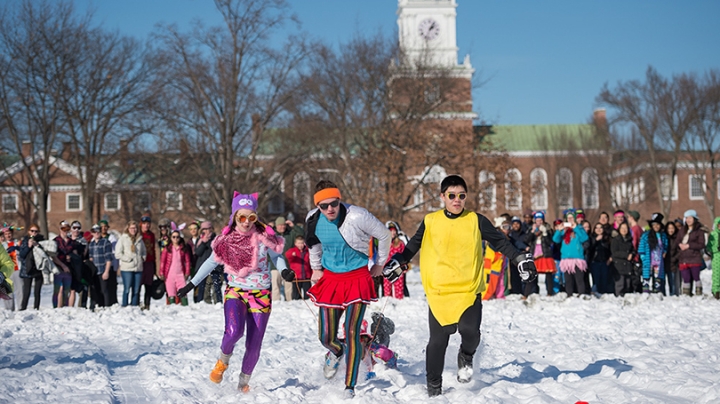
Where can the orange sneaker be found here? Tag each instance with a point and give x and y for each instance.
(216, 375)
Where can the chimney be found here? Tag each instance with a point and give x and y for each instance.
(123, 153)
(26, 148)
(600, 118)
(66, 152)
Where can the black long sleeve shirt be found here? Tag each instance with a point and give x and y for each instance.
(498, 241)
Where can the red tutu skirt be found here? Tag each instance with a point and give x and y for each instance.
(339, 290)
(545, 265)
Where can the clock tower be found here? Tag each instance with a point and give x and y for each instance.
(428, 34)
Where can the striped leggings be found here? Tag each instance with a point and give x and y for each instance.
(328, 331)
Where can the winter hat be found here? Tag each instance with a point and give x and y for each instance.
(392, 225)
(568, 212)
(95, 228)
(580, 214)
(164, 222)
(206, 225)
(539, 215)
(280, 220)
(499, 221)
(515, 219)
(242, 201)
(557, 222)
(690, 213)
(634, 214)
(656, 218)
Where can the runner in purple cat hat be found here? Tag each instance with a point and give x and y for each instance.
(242, 248)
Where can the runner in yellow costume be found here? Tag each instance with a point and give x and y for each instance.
(451, 270)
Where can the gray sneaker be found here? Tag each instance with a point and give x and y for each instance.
(331, 365)
(244, 383)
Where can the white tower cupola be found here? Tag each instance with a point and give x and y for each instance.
(427, 32)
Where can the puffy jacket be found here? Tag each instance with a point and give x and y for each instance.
(129, 261)
(620, 248)
(697, 239)
(574, 249)
(357, 226)
(671, 258)
(644, 250)
(166, 260)
(546, 241)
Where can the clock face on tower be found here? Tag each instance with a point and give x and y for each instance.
(429, 29)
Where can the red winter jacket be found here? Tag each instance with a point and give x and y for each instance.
(166, 260)
(299, 261)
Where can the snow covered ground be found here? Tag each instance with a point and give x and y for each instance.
(611, 350)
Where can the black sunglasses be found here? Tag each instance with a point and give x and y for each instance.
(461, 196)
(334, 204)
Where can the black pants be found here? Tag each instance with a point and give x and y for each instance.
(303, 286)
(111, 285)
(530, 287)
(575, 283)
(27, 284)
(469, 327)
(623, 284)
(97, 292)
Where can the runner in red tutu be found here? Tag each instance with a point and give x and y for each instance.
(339, 236)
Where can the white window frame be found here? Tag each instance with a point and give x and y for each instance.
(49, 199)
(674, 195)
(198, 198)
(105, 202)
(418, 198)
(17, 201)
(509, 185)
(67, 202)
(179, 199)
(691, 177)
(535, 204)
(565, 204)
(487, 176)
(587, 173)
(302, 179)
(142, 209)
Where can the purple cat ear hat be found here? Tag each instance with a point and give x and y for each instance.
(241, 201)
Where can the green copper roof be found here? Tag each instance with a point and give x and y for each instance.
(516, 138)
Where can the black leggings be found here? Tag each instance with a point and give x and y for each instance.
(469, 327)
(27, 284)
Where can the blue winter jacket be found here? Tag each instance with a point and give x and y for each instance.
(644, 251)
(574, 249)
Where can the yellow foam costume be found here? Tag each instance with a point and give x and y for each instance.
(451, 261)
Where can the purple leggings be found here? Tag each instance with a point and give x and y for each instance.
(691, 274)
(236, 316)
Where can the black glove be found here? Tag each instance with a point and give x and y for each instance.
(183, 291)
(288, 275)
(394, 268)
(526, 267)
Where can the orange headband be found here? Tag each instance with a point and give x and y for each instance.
(326, 194)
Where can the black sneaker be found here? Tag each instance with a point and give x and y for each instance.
(434, 390)
(465, 367)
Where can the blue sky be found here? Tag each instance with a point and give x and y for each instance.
(544, 61)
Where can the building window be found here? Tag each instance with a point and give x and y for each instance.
(697, 187)
(669, 189)
(513, 189)
(173, 200)
(564, 182)
(73, 202)
(276, 191)
(538, 185)
(112, 202)
(628, 193)
(430, 183)
(488, 191)
(203, 201)
(590, 188)
(36, 200)
(9, 203)
(143, 202)
(301, 190)
(418, 199)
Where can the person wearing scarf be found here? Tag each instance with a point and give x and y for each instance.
(242, 248)
(652, 248)
(571, 237)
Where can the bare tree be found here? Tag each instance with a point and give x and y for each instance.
(224, 88)
(36, 43)
(702, 144)
(105, 97)
(376, 117)
(656, 111)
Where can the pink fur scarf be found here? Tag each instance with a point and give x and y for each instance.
(238, 251)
